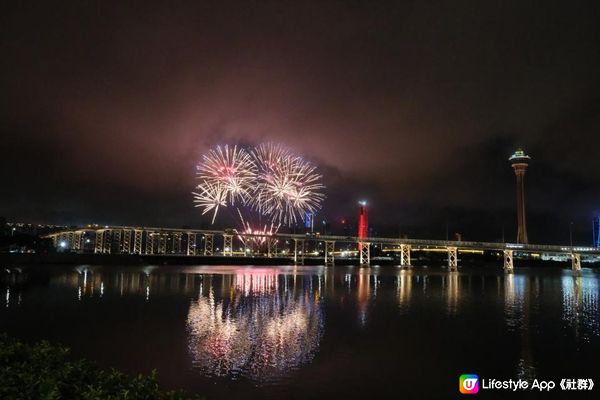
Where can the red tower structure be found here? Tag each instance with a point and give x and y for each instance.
(363, 221)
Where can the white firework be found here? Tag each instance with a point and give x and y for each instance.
(288, 187)
(229, 168)
(210, 197)
(227, 175)
(269, 179)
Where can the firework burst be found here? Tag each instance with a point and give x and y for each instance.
(268, 179)
(229, 169)
(288, 187)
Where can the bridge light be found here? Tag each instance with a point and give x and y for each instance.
(63, 244)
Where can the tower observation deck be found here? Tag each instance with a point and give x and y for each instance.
(519, 162)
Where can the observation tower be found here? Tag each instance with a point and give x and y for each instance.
(519, 162)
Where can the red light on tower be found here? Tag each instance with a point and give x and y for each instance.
(363, 221)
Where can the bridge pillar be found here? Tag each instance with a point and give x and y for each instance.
(329, 250)
(452, 259)
(299, 251)
(98, 242)
(269, 244)
(72, 239)
(65, 238)
(103, 241)
(126, 241)
(209, 240)
(176, 243)
(76, 244)
(150, 236)
(137, 241)
(508, 261)
(108, 241)
(162, 243)
(191, 244)
(227, 245)
(576, 263)
(364, 250)
(405, 255)
(115, 243)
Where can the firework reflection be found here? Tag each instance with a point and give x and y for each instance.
(261, 326)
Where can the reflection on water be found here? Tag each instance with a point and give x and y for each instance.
(91, 282)
(363, 294)
(404, 289)
(517, 308)
(580, 306)
(452, 291)
(261, 326)
(12, 296)
(13, 281)
(514, 295)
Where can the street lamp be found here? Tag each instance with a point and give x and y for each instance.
(571, 233)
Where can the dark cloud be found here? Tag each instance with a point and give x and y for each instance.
(106, 106)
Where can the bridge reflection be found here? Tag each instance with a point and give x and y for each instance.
(404, 289)
(522, 306)
(263, 323)
(581, 308)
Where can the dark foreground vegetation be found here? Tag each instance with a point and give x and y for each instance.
(45, 371)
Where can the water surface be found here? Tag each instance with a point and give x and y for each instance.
(314, 332)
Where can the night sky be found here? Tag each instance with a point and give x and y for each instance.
(105, 108)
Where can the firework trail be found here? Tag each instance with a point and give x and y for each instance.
(211, 197)
(263, 236)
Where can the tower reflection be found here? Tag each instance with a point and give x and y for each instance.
(514, 287)
(363, 294)
(517, 307)
(259, 325)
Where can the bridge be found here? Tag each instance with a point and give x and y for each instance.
(199, 242)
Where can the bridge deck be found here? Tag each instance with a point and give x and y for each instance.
(415, 243)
